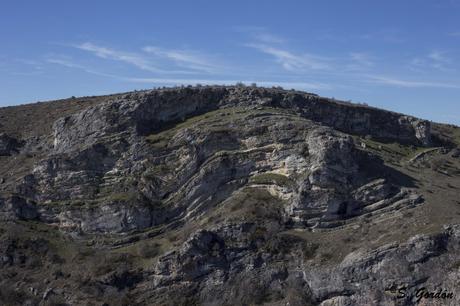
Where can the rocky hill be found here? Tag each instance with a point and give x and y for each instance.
(226, 195)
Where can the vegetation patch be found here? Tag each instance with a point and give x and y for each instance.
(446, 134)
(154, 171)
(121, 197)
(215, 121)
(148, 249)
(284, 243)
(272, 178)
(251, 203)
(391, 152)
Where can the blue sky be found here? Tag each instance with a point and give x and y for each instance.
(399, 55)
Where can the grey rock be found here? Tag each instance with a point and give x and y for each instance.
(8, 145)
(145, 112)
(17, 208)
(245, 176)
(362, 278)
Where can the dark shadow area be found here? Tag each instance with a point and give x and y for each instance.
(373, 167)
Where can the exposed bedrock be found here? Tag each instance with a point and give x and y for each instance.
(226, 196)
(145, 112)
(222, 267)
(181, 171)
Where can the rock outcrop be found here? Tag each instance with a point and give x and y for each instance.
(17, 208)
(227, 196)
(394, 274)
(143, 113)
(8, 145)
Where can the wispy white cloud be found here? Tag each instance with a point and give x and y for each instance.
(387, 35)
(391, 36)
(69, 63)
(410, 83)
(173, 81)
(260, 34)
(435, 60)
(360, 67)
(22, 67)
(360, 61)
(269, 38)
(291, 61)
(64, 62)
(156, 59)
(270, 44)
(130, 58)
(187, 81)
(440, 60)
(30, 62)
(297, 62)
(184, 58)
(27, 73)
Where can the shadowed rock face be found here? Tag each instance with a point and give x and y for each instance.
(8, 145)
(143, 113)
(362, 278)
(14, 208)
(249, 134)
(244, 180)
(97, 149)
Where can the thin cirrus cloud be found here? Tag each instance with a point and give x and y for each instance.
(260, 34)
(361, 59)
(181, 81)
(187, 59)
(130, 58)
(173, 81)
(410, 84)
(153, 59)
(438, 60)
(65, 63)
(269, 44)
(268, 38)
(307, 62)
(24, 67)
(68, 63)
(291, 61)
(438, 56)
(174, 66)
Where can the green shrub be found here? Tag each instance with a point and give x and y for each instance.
(272, 178)
(148, 249)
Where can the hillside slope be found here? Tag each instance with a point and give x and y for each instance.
(225, 196)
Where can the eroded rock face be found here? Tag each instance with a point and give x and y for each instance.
(17, 208)
(143, 113)
(133, 113)
(422, 131)
(108, 217)
(247, 176)
(137, 149)
(407, 267)
(362, 278)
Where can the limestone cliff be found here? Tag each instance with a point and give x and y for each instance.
(225, 196)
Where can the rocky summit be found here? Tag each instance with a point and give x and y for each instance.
(226, 195)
